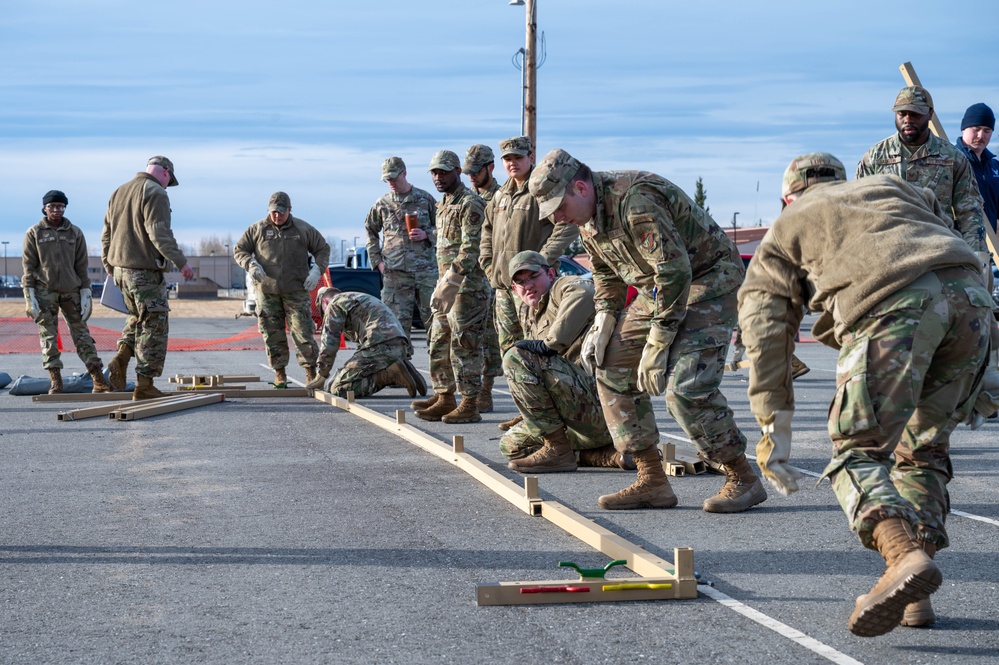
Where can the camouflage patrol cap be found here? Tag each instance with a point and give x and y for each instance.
(279, 201)
(325, 292)
(811, 169)
(445, 160)
(392, 167)
(518, 145)
(550, 178)
(160, 160)
(527, 260)
(915, 99)
(477, 156)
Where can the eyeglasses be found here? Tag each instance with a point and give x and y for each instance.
(527, 280)
(55, 207)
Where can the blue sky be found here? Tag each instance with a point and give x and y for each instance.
(251, 97)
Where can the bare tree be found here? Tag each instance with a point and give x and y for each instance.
(214, 244)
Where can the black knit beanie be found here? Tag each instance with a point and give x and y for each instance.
(978, 115)
(54, 196)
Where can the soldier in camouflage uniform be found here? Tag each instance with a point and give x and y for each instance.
(383, 349)
(924, 160)
(478, 166)
(460, 299)
(557, 397)
(406, 258)
(513, 225)
(137, 247)
(900, 296)
(55, 278)
(643, 231)
(275, 253)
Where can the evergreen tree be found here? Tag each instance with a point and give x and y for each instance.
(700, 195)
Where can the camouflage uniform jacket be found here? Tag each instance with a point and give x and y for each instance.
(563, 317)
(839, 249)
(362, 318)
(283, 252)
(459, 232)
(487, 193)
(137, 231)
(55, 257)
(388, 217)
(649, 234)
(512, 226)
(941, 167)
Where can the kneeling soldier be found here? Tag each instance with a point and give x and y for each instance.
(383, 349)
(556, 396)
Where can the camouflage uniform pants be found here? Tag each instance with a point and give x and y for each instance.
(147, 326)
(456, 343)
(507, 322)
(906, 376)
(492, 359)
(551, 393)
(359, 374)
(402, 290)
(291, 310)
(694, 369)
(49, 304)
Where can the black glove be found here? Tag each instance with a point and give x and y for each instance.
(535, 346)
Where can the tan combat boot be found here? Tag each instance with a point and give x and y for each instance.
(421, 385)
(310, 374)
(55, 377)
(553, 457)
(650, 490)
(484, 400)
(396, 374)
(118, 367)
(100, 384)
(742, 490)
(280, 378)
(798, 368)
(467, 412)
(507, 425)
(920, 613)
(911, 576)
(421, 404)
(144, 388)
(443, 405)
(606, 456)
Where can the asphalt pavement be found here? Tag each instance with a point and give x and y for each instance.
(285, 530)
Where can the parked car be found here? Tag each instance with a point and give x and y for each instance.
(570, 266)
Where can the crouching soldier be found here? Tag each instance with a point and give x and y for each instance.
(563, 425)
(899, 294)
(383, 349)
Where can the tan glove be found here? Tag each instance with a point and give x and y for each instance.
(312, 280)
(595, 344)
(655, 357)
(256, 271)
(320, 380)
(774, 450)
(446, 291)
(31, 303)
(86, 303)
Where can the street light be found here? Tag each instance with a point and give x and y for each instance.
(529, 122)
(735, 232)
(5, 243)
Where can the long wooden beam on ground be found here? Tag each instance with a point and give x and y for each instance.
(103, 410)
(228, 392)
(142, 409)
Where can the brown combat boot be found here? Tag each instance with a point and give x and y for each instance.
(650, 490)
(507, 425)
(100, 384)
(467, 412)
(798, 368)
(414, 374)
(920, 613)
(443, 405)
(421, 404)
(742, 490)
(118, 367)
(144, 388)
(553, 457)
(280, 378)
(310, 374)
(606, 456)
(484, 400)
(911, 576)
(55, 376)
(396, 374)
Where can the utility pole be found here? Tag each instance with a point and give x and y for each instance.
(735, 231)
(529, 123)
